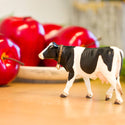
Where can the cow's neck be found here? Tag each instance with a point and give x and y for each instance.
(67, 57)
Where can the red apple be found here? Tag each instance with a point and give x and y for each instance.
(8, 68)
(73, 36)
(50, 30)
(28, 34)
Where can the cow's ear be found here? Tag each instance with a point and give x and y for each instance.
(54, 44)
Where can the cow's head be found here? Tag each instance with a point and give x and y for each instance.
(50, 52)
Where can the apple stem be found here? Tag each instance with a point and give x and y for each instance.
(100, 38)
(21, 63)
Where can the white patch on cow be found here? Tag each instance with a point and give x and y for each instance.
(88, 86)
(41, 53)
(41, 56)
(116, 61)
(68, 86)
(102, 70)
(109, 93)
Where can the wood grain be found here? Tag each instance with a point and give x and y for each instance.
(40, 104)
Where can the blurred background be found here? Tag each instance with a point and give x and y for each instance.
(104, 18)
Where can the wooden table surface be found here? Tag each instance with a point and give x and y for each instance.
(40, 104)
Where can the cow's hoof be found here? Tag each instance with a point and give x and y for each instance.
(118, 102)
(88, 96)
(63, 96)
(108, 97)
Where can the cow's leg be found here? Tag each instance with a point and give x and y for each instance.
(119, 99)
(109, 93)
(114, 83)
(119, 86)
(88, 86)
(69, 84)
(110, 90)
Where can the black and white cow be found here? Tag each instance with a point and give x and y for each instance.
(103, 63)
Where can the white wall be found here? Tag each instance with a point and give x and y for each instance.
(55, 11)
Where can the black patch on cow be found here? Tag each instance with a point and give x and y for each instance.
(90, 56)
(67, 60)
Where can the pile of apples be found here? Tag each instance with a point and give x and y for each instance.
(23, 38)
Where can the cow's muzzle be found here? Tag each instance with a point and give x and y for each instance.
(41, 56)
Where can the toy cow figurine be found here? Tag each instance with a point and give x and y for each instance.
(103, 63)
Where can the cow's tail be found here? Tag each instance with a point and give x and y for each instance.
(121, 56)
